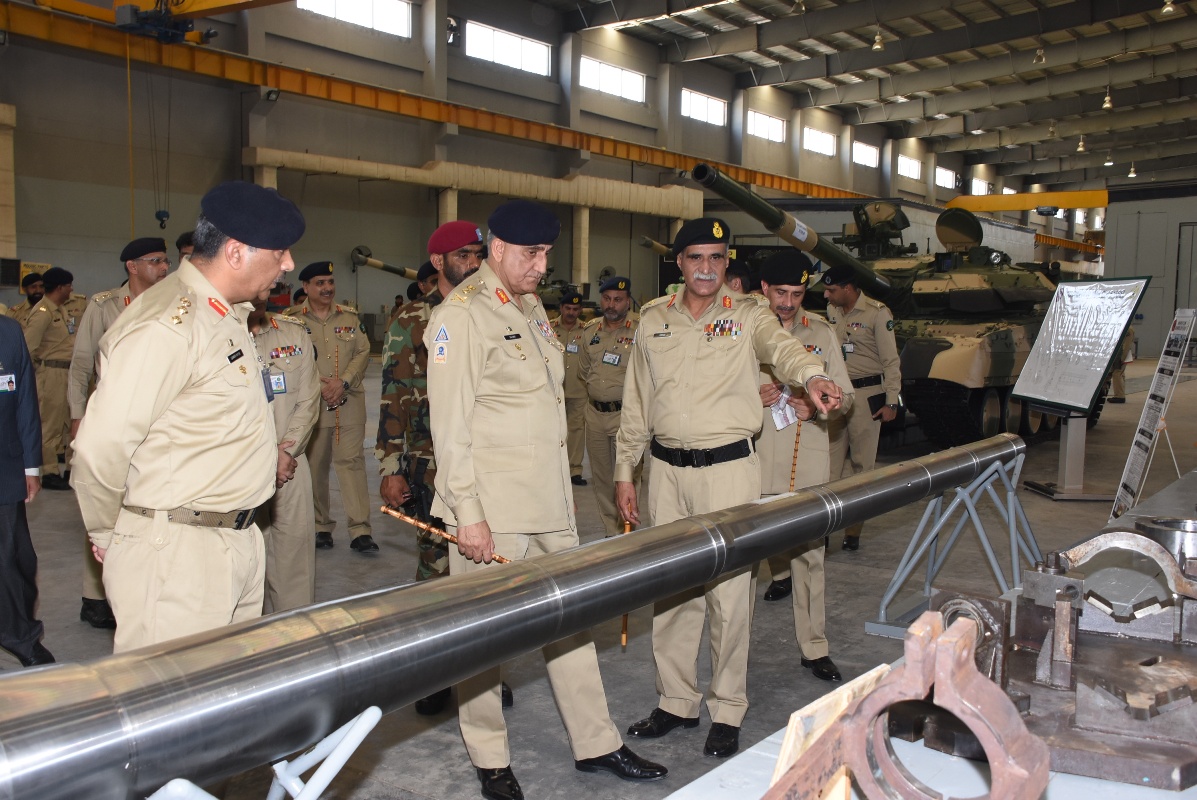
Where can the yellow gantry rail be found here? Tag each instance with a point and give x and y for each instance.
(1067, 244)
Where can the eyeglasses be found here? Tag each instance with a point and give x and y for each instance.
(154, 260)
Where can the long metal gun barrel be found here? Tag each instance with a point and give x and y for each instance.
(362, 257)
(786, 227)
(215, 704)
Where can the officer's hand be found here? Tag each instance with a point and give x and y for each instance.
(98, 553)
(803, 406)
(769, 393)
(395, 490)
(75, 427)
(825, 394)
(886, 414)
(33, 485)
(286, 464)
(475, 542)
(330, 390)
(625, 501)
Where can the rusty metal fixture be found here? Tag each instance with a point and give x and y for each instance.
(1136, 542)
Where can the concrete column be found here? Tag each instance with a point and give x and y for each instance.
(669, 107)
(929, 164)
(266, 176)
(889, 167)
(737, 124)
(844, 155)
(569, 69)
(433, 32)
(8, 183)
(580, 270)
(446, 206)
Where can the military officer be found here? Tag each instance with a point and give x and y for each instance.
(1126, 354)
(569, 331)
(50, 340)
(185, 244)
(145, 263)
(178, 447)
(795, 448)
(602, 364)
(691, 391)
(34, 290)
(497, 406)
(342, 353)
(866, 331)
(288, 520)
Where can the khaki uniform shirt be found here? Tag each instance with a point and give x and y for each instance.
(47, 334)
(74, 308)
(693, 383)
(604, 358)
(181, 418)
(498, 411)
(284, 345)
(342, 351)
(776, 447)
(573, 341)
(101, 312)
(867, 336)
(21, 312)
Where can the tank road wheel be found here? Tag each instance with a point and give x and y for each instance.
(1015, 412)
(1032, 420)
(1050, 423)
(987, 411)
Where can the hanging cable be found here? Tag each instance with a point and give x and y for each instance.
(129, 104)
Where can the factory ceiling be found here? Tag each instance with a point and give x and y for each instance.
(1014, 83)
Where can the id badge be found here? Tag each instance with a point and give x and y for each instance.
(278, 383)
(849, 348)
(611, 358)
(8, 383)
(267, 381)
(572, 347)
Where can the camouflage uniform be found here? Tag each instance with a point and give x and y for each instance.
(404, 436)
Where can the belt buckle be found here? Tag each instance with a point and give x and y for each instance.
(244, 519)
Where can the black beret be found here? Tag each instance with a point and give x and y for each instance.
(839, 275)
(426, 271)
(316, 269)
(787, 268)
(704, 230)
(253, 214)
(186, 239)
(32, 277)
(737, 267)
(55, 277)
(616, 283)
(571, 297)
(299, 293)
(524, 222)
(142, 247)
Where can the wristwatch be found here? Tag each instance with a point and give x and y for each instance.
(345, 384)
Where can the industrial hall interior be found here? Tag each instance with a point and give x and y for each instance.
(637, 399)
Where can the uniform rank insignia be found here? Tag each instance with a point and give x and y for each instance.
(128, 299)
(723, 327)
(727, 301)
(856, 325)
(502, 295)
(594, 340)
(814, 348)
(217, 306)
(442, 335)
(286, 351)
(805, 322)
(348, 329)
(546, 330)
(717, 231)
(889, 325)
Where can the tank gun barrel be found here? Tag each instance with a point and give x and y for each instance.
(655, 246)
(362, 257)
(786, 227)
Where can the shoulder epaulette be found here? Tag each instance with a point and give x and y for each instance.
(292, 320)
(656, 301)
(590, 323)
(466, 292)
(100, 297)
(179, 312)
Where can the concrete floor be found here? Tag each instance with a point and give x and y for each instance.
(408, 756)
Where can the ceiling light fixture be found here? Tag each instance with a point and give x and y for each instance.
(1132, 173)
(1108, 102)
(1051, 130)
(1040, 59)
(878, 45)
(1168, 7)
(1080, 146)
(1109, 159)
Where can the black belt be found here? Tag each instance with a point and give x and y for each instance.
(607, 408)
(52, 363)
(701, 458)
(860, 383)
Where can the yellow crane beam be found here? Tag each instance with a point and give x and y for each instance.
(1029, 201)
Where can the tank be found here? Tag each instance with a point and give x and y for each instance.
(362, 257)
(965, 318)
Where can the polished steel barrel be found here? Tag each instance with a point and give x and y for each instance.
(215, 704)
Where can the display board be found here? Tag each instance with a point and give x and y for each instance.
(1080, 334)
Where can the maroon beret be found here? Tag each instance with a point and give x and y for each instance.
(454, 235)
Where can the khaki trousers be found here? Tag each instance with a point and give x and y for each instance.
(93, 573)
(166, 580)
(346, 458)
(288, 527)
(56, 414)
(600, 447)
(575, 437)
(857, 452)
(673, 493)
(572, 665)
(804, 565)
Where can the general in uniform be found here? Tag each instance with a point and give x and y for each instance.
(49, 333)
(798, 454)
(866, 331)
(178, 447)
(145, 263)
(342, 353)
(691, 397)
(288, 520)
(570, 333)
(34, 290)
(603, 363)
(495, 373)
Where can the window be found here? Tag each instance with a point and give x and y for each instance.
(1008, 190)
(945, 178)
(1059, 213)
(610, 79)
(501, 47)
(1079, 219)
(702, 108)
(766, 127)
(1097, 223)
(866, 155)
(980, 186)
(818, 141)
(910, 167)
(387, 16)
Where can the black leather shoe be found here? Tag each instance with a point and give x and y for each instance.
(434, 703)
(779, 590)
(500, 784)
(623, 763)
(578, 480)
(324, 540)
(851, 543)
(659, 723)
(364, 544)
(97, 613)
(722, 741)
(55, 482)
(40, 655)
(1115, 399)
(508, 697)
(823, 668)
